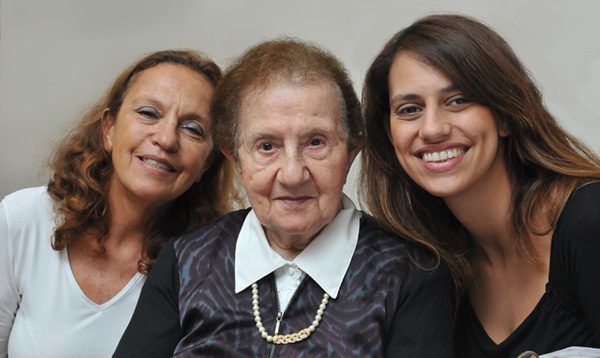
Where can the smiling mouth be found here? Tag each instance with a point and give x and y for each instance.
(158, 164)
(442, 155)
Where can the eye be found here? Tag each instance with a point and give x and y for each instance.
(457, 101)
(148, 112)
(408, 111)
(265, 146)
(194, 128)
(316, 142)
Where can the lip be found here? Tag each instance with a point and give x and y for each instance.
(164, 167)
(439, 147)
(293, 200)
(445, 165)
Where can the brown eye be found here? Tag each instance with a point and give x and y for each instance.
(316, 142)
(266, 146)
(408, 111)
(457, 101)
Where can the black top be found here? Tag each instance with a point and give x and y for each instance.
(394, 300)
(568, 314)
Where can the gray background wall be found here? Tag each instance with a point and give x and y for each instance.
(58, 57)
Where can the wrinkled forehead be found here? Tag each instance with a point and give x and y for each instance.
(288, 88)
(291, 95)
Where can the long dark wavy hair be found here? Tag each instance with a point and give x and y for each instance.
(82, 170)
(545, 163)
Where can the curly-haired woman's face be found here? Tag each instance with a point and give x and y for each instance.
(160, 141)
(447, 144)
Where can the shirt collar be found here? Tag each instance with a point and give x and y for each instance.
(325, 259)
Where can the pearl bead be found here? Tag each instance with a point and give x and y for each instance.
(286, 338)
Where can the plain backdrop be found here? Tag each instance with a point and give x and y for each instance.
(58, 57)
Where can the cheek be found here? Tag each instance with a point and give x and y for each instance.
(256, 180)
(398, 145)
(197, 158)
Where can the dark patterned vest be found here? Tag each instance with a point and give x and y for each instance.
(217, 322)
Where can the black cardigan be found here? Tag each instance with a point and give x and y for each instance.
(395, 300)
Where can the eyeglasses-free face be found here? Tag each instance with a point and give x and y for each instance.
(293, 157)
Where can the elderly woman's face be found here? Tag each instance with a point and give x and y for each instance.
(293, 157)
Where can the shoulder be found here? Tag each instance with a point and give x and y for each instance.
(212, 232)
(197, 251)
(26, 228)
(26, 209)
(406, 261)
(30, 200)
(581, 213)
(201, 246)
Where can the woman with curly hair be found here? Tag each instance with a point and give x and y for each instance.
(139, 168)
(463, 156)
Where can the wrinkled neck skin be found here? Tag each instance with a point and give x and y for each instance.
(289, 246)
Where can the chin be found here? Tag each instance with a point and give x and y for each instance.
(440, 193)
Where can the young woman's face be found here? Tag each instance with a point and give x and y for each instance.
(445, 143)
(160, 141)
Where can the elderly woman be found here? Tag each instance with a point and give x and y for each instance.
(302, 273)
(140, 167)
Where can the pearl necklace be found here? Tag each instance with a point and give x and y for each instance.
(285, 338)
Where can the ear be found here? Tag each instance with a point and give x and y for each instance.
(503, 128)
(108, 123)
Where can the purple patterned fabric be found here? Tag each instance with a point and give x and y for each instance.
(217, 322)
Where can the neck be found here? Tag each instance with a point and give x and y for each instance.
(129, 219)
(288, 246)
(484, 210)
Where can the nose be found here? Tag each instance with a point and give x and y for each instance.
(166, 135)
(293, 170)
(434, 127)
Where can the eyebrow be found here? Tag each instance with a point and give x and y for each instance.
(412, 96)
(155, 102)
(273, 135)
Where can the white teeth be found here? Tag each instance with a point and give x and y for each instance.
(156, 164)
(442, 155)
